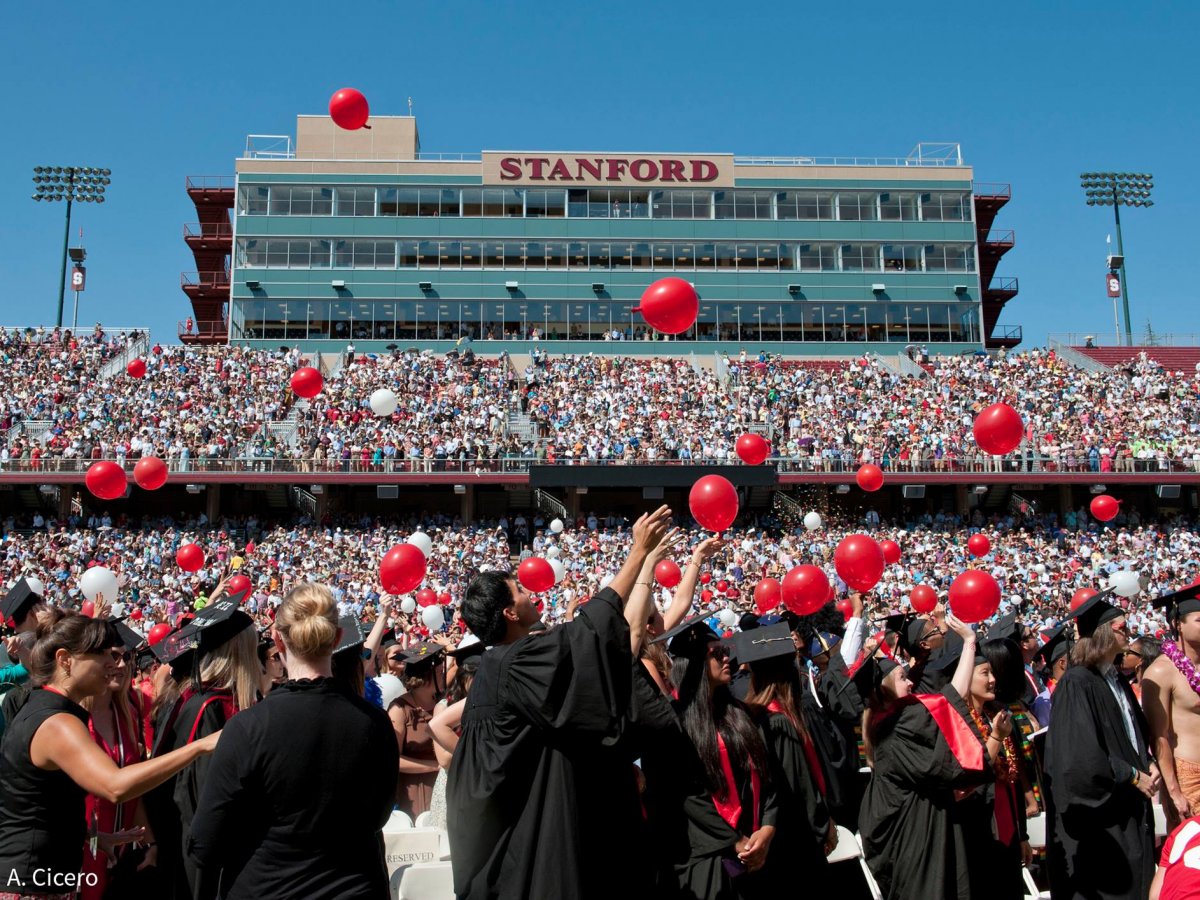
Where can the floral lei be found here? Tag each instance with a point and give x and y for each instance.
(1006, 766)
(1172, 652)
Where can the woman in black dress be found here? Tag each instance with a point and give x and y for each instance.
(49, 761)
(295, 804)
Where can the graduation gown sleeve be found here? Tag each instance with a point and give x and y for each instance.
(803, 820)
(1101, 828)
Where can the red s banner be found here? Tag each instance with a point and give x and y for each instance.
(1113, 281)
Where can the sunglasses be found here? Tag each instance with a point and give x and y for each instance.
(716, 651)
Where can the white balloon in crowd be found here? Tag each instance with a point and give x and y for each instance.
(812, 521)
(560, 571)
(433, 617)
(1125, 583)
(557, 526)
(422, 542)
(407, 605)
(384, 402)
(36, 585)
(553, 552)
(1016, 599)
(99, 580)
(727, 617)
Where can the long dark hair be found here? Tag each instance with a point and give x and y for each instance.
(464, 675)
(1008, 666)
(72, 632)
(778, 680)
(705, 712)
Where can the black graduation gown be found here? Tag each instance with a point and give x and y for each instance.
(542, 786)
(832, 726)
(172, 805)
(803, 819)
(914, 824)
(1100, 827)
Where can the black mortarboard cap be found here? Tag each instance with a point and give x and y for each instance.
(422, 657)
(388, 639)
(219, 622)
(689, 638)
(909, 629)
(1095, 612)
(1005, 628)
(952, 651)
(129, 638)
(1054, 645)
(868, 676)
(1179, 603)
(762, 644)
(821, 642)
(19, 596)
(352, 635)
(466, 649)
(748, 622)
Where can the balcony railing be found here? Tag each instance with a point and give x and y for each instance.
(210, 182)
(204, 279)
(1000, 237)
(1110, 339)
(1035, 465)
(207, 230)
(991, 189)
(1002, 284)
(1007, 333)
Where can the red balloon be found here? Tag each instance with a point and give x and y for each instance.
(670, 305)
(706, 578)
(974, 596)
(237, 585)
(667, 573)
(891, 552)
(88, 608)
(536, 574)
(426, 597)
(135, 614)
(999, 429)
(190, 558)
(106, 480)
(752, 449)
(1105, 508)
(979, 545)
(869, 477)
(348, 108)
(844, 607)
(402, 568)
(444, 598)
(923, 598)
(706, 596)
(158, 632)
(307, 382)
(150, 473)
(722, 586)
(713, 502)
(136, 368)
(859, 561)
(768, 594)
(805, 589)
(1080, 597)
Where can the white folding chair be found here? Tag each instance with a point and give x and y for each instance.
(427, 881)
(1035, 826)
(847, 847)
(1160, 821)
(397, 821)
(1031, 888)
(422, 821)
(866, 870)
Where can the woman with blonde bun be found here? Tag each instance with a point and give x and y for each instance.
(296, 805)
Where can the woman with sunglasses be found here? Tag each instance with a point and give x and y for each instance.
(49, 761)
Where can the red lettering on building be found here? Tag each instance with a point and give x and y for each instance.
(643, 170)
(510, 168)
(616, 168)
(592, 167)
(672, 170)
(535, 167)
(560, 172)
(703, 170)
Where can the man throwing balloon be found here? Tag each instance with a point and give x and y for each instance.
(542, 782)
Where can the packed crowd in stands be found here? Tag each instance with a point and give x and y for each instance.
(1038, 560)
(202, 404)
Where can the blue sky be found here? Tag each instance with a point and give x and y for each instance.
(1035, 92)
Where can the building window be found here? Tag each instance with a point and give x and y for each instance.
(860, 257)
(356, 201)
(898, 207)
(818, 258)
(857, 207)
(545, 204)
(902, 257)
(253, 199)
(945, 207)
(472, 202)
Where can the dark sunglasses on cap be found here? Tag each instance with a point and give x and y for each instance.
(718, 651)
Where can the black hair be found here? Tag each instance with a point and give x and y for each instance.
(1008, 667)
(464, 675)
(483, 605)
(76, 634)
(347, 667)
(826, 619)
(706, 712)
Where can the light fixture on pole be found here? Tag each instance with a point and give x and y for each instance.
(81, 184)
(1117, 189)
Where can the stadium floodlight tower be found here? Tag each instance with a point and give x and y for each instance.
(74, 184)
(1117, 189)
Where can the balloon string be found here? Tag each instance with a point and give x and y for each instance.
(368, 127)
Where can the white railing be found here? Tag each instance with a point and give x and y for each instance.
(133, 349)
(1079, 360)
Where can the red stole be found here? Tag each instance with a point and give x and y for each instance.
(810, 751)
(963, 742)
(730, 809)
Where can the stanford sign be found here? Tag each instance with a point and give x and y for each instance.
(598, 169)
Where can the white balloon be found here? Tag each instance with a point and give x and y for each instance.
(433, 617)
(560, 570)
(605, 581)
(422, 542)
(727, 617)
(1016, 599)
(557, 526)
(1125, 583)
(384, 402)
(407, 605)
(553, 552)
(1040, 569)
(99, 580)
(35, 585)
(812, 521)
